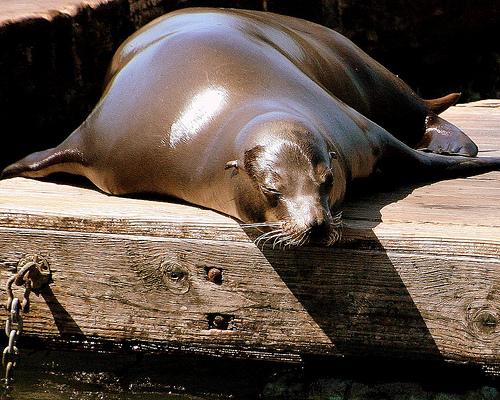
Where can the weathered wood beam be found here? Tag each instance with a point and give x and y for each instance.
(417, 274)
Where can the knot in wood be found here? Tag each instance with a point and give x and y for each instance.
(486, 322)
(484, 319)
(175, 277)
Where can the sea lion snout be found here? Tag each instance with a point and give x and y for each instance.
(315, 223)
(289, 231)
(294, 184)
(326, 233)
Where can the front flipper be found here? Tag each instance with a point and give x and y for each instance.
(437, 106)
(397, 158)
(442, 137)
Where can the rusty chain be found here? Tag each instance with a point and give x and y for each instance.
(34, 273)
(10, 356)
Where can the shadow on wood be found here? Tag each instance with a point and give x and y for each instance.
(353, 291)
(63, 320)
(416, 275)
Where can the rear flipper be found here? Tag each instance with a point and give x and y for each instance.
(67, 157)
(43, 163)
(437, 166)
(442, 137)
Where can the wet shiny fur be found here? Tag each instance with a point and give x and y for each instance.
(259, 116)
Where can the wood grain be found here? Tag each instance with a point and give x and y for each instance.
(417, 274)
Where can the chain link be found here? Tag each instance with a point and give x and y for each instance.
(13, 329)
(33, 275)
(18, 279)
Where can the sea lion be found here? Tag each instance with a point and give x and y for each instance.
(262, 117)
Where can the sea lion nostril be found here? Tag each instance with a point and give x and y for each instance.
(319, 228)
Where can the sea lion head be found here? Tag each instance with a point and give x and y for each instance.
(291, 190)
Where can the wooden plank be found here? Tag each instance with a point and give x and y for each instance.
(12, 11)
(416, 275)
(43, 205)
(117, 287)
(443, 241)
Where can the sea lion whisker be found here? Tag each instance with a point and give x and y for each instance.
(261, 238)
(279, 239)
(267, 236)
(274, 241)
(278, 242)
(273, 234)
(287, 240)
(282, 241)
(272, 237)
(261, 224)
(337, 219)
(304, 237)
(301, 237)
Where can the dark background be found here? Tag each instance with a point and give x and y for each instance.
(51, 70)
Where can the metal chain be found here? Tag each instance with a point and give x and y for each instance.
(34, 274)
(18, 279)
(10, 356)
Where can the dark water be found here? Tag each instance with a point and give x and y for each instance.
(54, 375)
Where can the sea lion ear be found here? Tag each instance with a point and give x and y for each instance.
(232, 164)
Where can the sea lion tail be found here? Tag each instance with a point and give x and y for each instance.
(442, 137)
(64, 158)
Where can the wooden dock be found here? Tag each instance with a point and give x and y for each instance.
(417, 274)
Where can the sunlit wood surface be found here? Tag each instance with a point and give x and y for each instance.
(417, 274)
